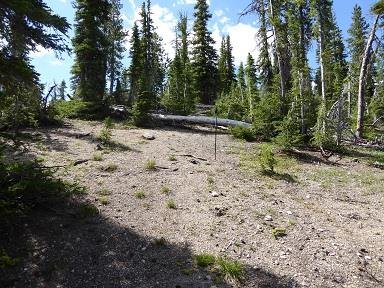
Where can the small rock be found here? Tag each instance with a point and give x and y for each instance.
(208, 277)
(193, 161)
(367, 258)
(215, 194)
(268, 218)
(148, 136)
(289, 212)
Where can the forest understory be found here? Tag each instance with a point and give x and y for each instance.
(165, 204)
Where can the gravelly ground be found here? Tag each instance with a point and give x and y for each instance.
(332, 212)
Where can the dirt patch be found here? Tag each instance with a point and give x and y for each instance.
(314, 223)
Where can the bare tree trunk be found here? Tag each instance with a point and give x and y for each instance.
(279, 58)
(362, 79)
(322, 72)
(349, 99)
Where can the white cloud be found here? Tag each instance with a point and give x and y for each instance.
(165, 23)
(56, 62)
(243, 40)
(40, 52)
(190, 2)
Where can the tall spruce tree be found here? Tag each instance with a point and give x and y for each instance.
(251, 83)
(116, 36)
(356, 44)
(152, 71)
(90, 45)
(135, 69)
(204, 56)
(178, 96)
(226, 67)
(24, 26)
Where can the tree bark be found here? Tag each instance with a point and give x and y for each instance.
(362, 80)
(279, 59)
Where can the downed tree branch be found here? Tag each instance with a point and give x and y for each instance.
(191, 156)
(203, 120)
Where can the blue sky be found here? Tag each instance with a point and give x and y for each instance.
(225, 20)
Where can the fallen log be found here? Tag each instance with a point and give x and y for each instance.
(202, 120)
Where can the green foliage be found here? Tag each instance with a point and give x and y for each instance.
(70, 109)
(230, 269)
(150, 165)
(90, 45)
(165, 190)
(204, 259)
(171, 204)
(178, 97)
(87, 210)
(111, 167)
(266, 116)
(204, 56)
(104, 200)
(6, 261)
(105, 135)
(243, 133)
(97, 157)
(25, 185)
(232, 105)
(172, 158)
(279, 232)
(266, 158)
(289, 134)
(140, 194)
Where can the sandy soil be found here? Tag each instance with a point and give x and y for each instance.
(332, 213)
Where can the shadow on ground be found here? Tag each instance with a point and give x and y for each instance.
(58, 249)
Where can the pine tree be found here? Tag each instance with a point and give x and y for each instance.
(204, 56)
(299, 36)
(61, 89)
(264, 61)
(226, 67)
(116, 37)
(251, 83)
(90, 45)
(356, 44)
(24, 25)
(135, 69)
(151, 77)
(178, 96)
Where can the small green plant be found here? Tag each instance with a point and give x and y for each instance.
(279, 232)
(266, 158)
(6, 261)
(105, 135)
(210, 180)
(204, 259)
(171, 204)
(87, 210)
(111, 167)
(104, 200)
(150, 165)
(243, 133)
(230, 269)
(165, 190)
(140, 194)
(172, 157)
(105, 192)
(97, 157)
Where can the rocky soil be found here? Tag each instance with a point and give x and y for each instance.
(314, 223)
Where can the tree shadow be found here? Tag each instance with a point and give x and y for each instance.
(280, 176)
(305, 157)
(58, 246)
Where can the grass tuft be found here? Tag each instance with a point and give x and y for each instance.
(140, 194)
(165, 190)
(204, 259)
(171, 204)
(150, 165)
